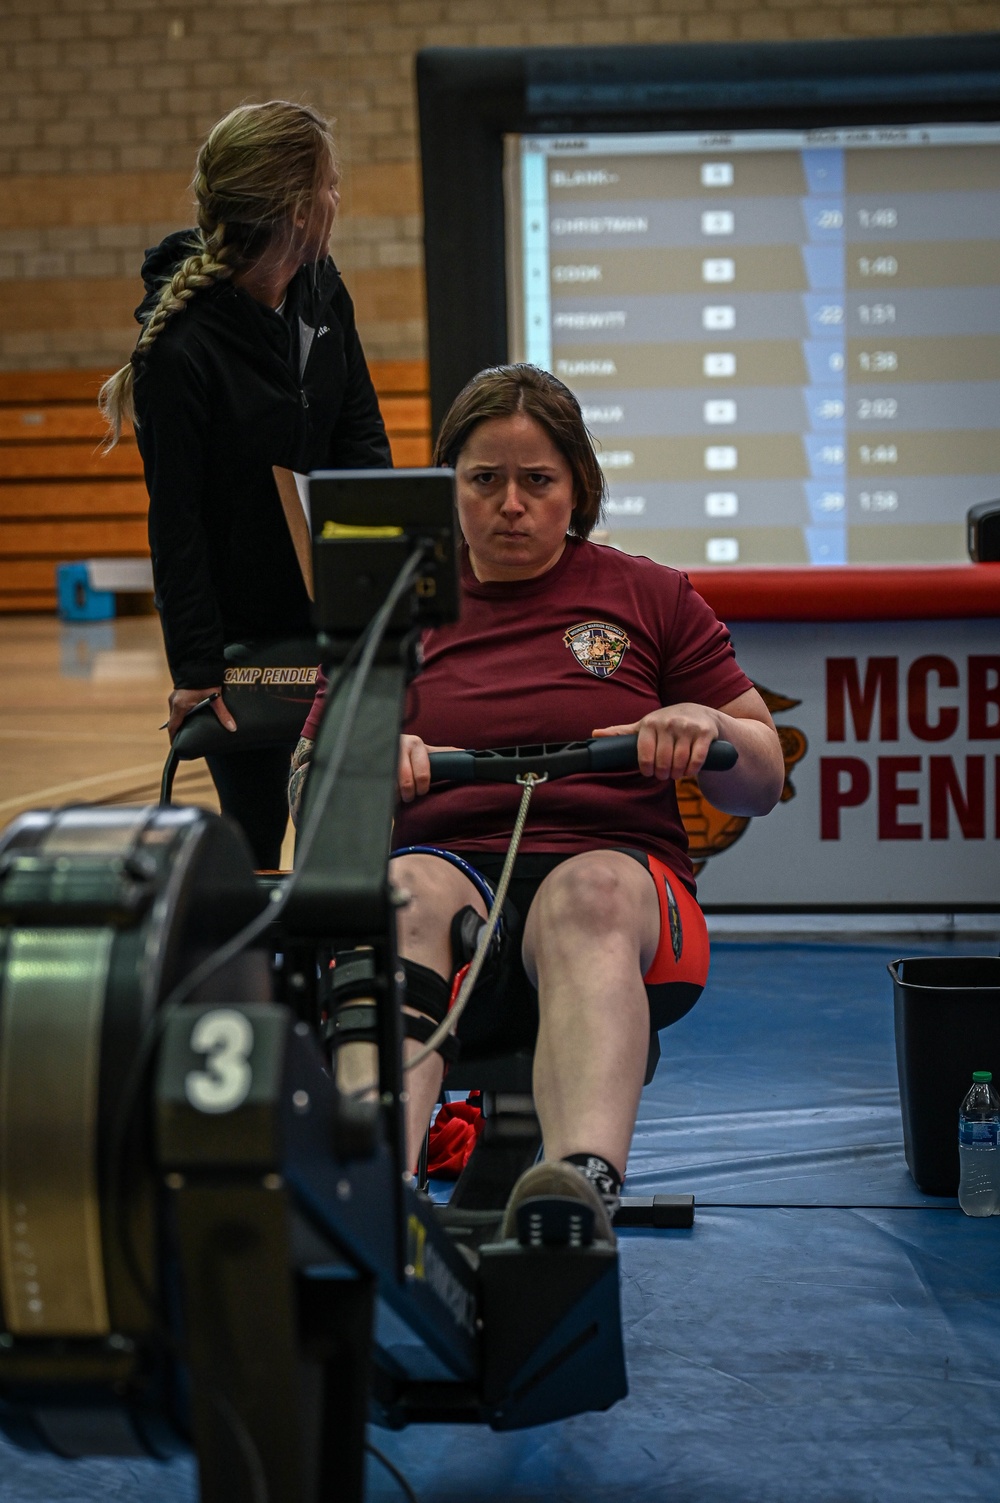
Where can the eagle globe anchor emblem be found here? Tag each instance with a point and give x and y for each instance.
(709, 830)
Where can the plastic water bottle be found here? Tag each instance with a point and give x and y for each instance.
(979, 1148)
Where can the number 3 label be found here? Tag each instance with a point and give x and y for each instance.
(226, 1038)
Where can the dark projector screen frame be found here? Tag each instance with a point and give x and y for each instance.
(470, 99)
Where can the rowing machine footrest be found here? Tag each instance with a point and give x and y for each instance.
(552, 1337)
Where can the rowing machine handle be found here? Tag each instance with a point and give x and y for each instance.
(617, 754)
(602, 754)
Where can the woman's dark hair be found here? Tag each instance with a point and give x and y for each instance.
(505, 390)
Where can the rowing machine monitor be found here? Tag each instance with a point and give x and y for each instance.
(365, 524)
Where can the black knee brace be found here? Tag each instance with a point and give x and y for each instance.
(430, 994)
(354, 1019)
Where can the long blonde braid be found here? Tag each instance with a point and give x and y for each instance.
(208, 264)
(116, 398)
(257, 172)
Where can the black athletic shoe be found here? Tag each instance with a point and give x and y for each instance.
(554, 1204)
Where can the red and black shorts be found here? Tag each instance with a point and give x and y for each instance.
(674, 981)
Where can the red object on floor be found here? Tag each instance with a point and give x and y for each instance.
(452, 1138)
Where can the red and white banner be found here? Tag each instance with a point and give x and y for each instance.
(891, 732)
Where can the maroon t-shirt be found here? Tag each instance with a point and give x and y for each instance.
(602, 638)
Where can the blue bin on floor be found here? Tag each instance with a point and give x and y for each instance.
(78, 601)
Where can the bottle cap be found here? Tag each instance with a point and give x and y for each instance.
(982, 1074)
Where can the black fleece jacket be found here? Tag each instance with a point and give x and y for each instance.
(228, 389)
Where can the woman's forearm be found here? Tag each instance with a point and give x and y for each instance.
(754, 785)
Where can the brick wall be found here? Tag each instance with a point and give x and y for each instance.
(105, 102)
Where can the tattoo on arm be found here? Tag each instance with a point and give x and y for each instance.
(301, 761)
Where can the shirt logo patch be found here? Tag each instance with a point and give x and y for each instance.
(597, 646)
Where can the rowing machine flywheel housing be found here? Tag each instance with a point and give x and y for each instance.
(102, 912)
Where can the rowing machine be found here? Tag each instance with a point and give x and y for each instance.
(201, 1240)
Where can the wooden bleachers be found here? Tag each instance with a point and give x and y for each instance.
(403, 388)
(62, 499)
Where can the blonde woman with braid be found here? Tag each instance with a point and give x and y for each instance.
(248, 358)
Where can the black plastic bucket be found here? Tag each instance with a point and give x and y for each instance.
(947, 1015)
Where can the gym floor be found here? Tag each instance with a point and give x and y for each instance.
(80, 709)
(825, 1332)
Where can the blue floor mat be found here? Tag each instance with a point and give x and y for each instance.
(779, 1352)
(779, 1088)
(775, 1356)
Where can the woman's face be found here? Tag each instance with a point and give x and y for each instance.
(317, 226)
(515, 498)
